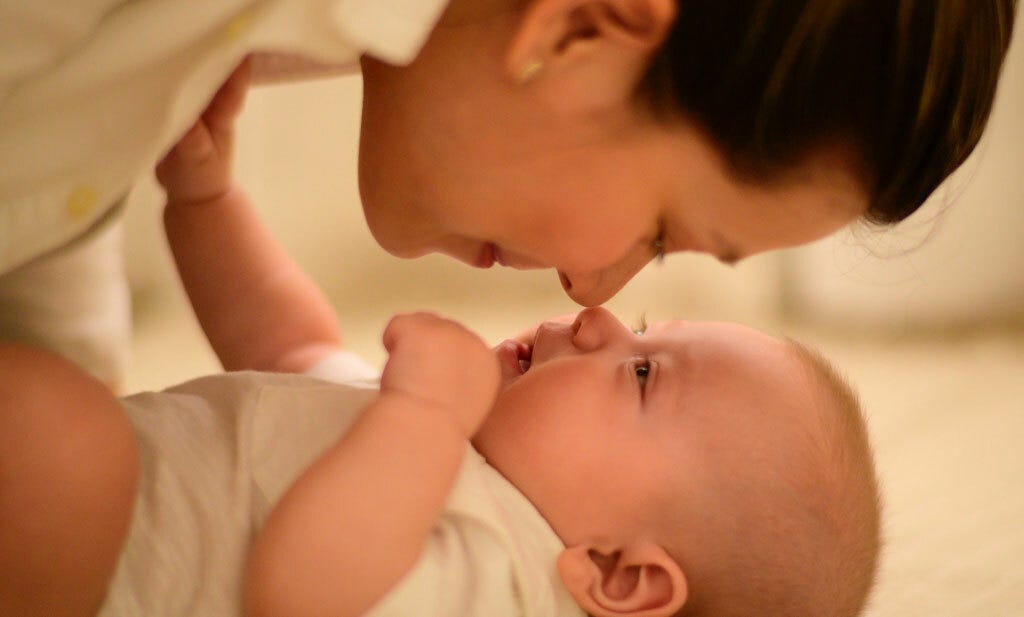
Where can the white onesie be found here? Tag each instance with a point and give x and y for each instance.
(218, 452)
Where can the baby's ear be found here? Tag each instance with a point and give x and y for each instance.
(640, 580)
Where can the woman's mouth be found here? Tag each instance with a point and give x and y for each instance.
(487, 256)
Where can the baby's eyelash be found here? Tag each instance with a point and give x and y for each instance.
(642, 326)
(642, 369)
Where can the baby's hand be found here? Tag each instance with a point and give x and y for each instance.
(442, 365)
(198, 168)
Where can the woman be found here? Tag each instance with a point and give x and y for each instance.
(588, 136)
(583, 135)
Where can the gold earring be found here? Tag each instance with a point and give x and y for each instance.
(530, 70)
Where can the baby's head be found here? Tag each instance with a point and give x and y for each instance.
(697, 468)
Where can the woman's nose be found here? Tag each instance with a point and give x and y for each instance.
(595, 288)
(595, 328)
(591, 289)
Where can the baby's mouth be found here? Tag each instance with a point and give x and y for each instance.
(514, 357)
(525, 357)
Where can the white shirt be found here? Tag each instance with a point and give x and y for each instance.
(94, 92)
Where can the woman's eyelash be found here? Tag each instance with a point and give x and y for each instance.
(658, 246)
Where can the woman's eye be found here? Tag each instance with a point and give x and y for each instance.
(658, 247)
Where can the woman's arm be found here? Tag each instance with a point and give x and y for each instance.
(356, 521)
(258, 309)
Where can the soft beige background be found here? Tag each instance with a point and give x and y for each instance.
(925, 320)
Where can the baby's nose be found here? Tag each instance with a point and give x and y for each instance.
(596, 327)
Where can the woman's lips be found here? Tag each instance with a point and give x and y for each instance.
(486, 258)
(517, 261)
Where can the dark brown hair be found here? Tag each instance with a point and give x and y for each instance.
(909, 84)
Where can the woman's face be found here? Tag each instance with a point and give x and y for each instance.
(456, 157)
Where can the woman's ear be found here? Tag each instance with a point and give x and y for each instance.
(641, 580)
(576, 42)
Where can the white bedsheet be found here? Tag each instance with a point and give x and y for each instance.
(948, 426)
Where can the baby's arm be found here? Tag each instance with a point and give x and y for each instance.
(258, 309)
(356, 521)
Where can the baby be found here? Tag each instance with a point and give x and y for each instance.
(581, 468)
(694, 469)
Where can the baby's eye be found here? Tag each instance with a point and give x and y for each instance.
(642, 368)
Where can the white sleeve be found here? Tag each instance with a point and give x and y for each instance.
(343, 366)
(464, 571)
(35, 34)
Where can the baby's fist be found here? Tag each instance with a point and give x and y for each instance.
(442, 365)
(198, 167)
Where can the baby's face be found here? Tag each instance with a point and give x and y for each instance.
(604, 426)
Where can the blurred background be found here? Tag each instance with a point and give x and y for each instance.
(926, 320)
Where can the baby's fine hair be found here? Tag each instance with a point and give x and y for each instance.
(907, 85)
(800, 542)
